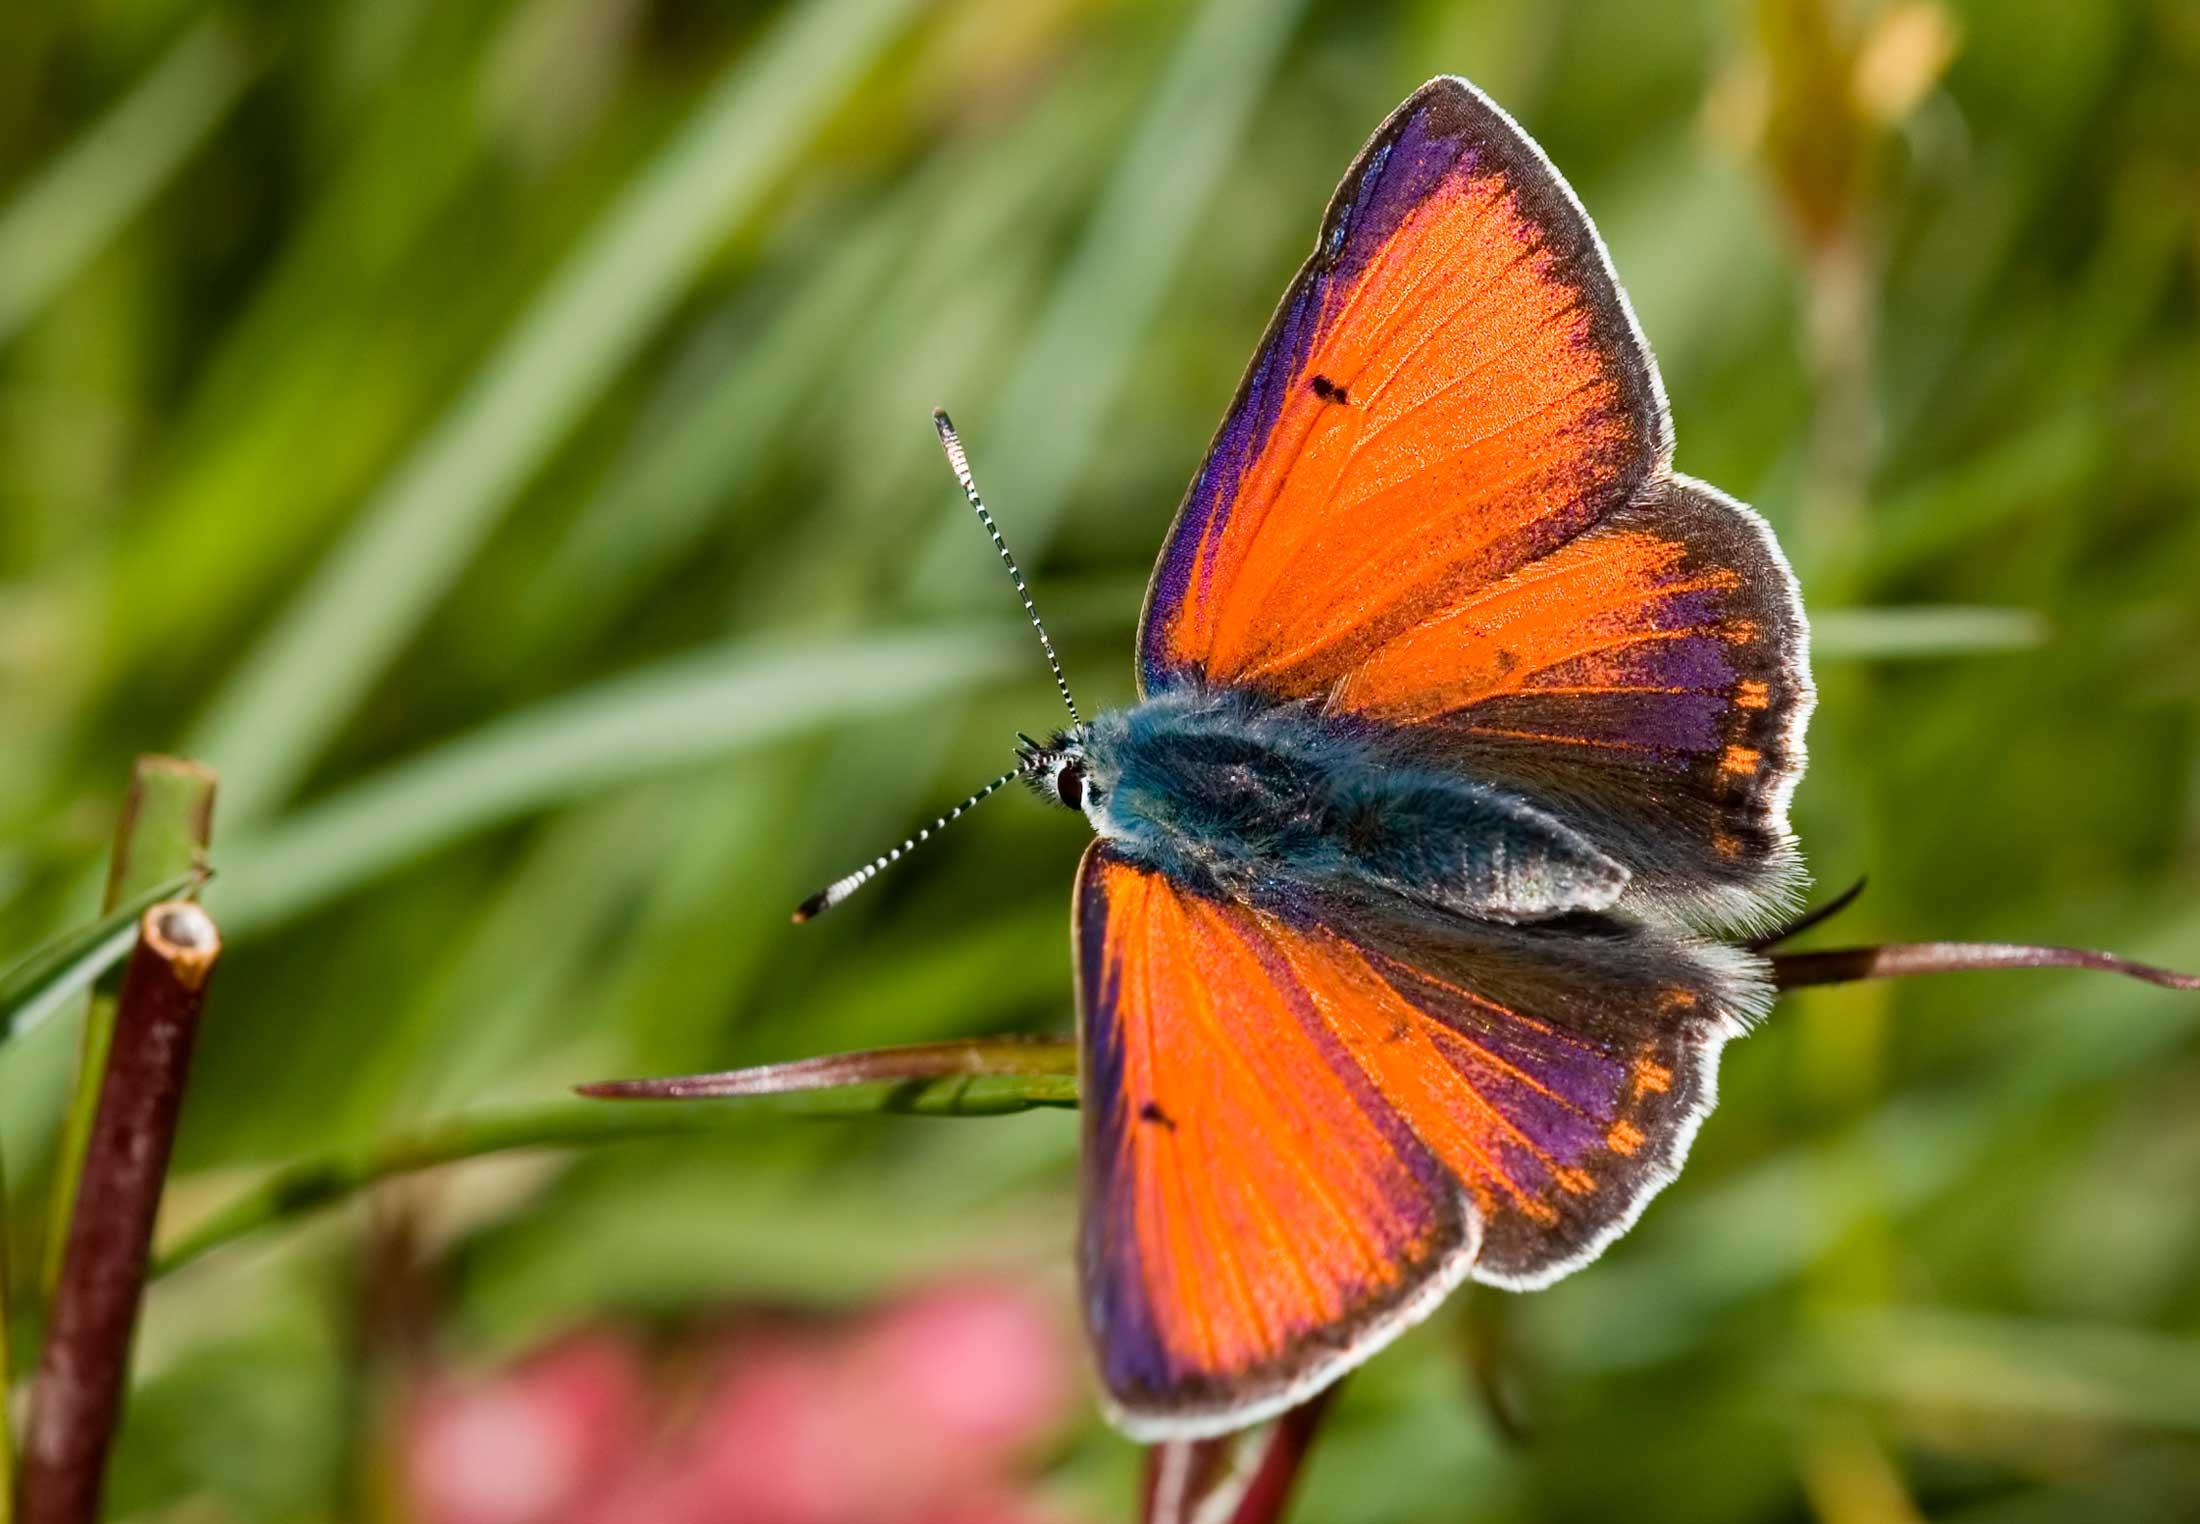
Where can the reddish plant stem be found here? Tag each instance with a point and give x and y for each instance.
(1242, 1478)
(77, 1402)
(1044, 1056)
(167, 821)
(1900, 960)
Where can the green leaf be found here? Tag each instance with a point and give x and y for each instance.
(982, 1077)
(46, 980)
(61, 218)
(971, 1057)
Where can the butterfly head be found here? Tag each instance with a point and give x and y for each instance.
(1059, 770)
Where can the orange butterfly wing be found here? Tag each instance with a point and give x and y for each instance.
(1441, 501)
(1308, 1118)
(1250, 1204)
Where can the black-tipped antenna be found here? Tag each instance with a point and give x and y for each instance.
(952, 444)
(840, 888)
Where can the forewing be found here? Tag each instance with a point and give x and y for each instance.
(1306, 1116)
(1452, 386)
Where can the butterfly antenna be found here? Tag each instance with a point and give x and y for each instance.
(840, 888)
(952, 444)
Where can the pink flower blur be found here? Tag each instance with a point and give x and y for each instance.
(920, 1412)
(532, 1445)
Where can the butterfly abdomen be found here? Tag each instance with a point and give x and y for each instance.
(1239, 794)
(1476, 849)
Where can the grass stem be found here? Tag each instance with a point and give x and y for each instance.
(7, 1361)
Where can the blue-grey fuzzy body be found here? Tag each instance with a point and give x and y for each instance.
(1230, 790)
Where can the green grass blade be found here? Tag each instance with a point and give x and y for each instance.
(1953, 1361)
(1978, 1364)
(63, 969)
(681, 713)
(64, 217)
(416, 535)
(1095, 326)
(1923, 632)
(658, 499)
(7, 1358)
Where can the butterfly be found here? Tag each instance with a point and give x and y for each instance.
(1464, 727)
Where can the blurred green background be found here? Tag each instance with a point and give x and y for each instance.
(493, 432)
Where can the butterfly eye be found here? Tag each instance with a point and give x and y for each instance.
(1069, 784)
